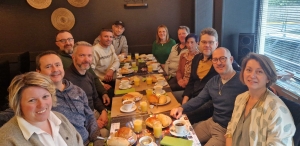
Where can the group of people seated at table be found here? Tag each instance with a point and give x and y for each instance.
(65, 101)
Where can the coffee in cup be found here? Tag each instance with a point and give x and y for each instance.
(124, 83)
(179, 126)
(158, 89)
(155, 66)
(146, 141)
(160, 81)
(128, 104)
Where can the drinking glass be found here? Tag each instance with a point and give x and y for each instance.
(157, 129)
(150, 68)
(149, 80)
(149, 92)
(137, 123)
(136, 56)
(136, 81)
(144, 105)
(129, 56)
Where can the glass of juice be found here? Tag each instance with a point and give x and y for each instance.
(144, 105)
(149, 80)
(149, 92)
(136, 81)
(157, 129)
(137, 123)
(150, 68)
(136, 56)
(129, 56)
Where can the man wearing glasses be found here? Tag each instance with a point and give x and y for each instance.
(201, 72)
(222, 91)
(65, 43)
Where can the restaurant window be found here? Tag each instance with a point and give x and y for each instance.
(278, 37)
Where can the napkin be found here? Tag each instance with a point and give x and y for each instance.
(172, 141)
(124, 91)
(135, 68)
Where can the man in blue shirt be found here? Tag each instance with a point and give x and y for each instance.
(222, 89)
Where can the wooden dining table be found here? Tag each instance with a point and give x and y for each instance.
(121, 119)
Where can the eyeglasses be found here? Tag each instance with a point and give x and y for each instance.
(222, 60)
(207, 42)
(65, 40)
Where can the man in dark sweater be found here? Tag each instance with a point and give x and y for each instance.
(222, 90)
(77, 73)
(65, 42)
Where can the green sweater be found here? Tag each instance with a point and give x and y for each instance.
(11, 134)
(162, 51)
(67, 61)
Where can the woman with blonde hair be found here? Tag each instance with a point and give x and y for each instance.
(259, 117)
(31, 96)
(163, 44)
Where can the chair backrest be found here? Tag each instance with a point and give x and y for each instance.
(4, 83)
(24, 62)
(294, 109)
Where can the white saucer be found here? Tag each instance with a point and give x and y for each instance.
(173, 132)
(165, 83)
(128, 111)
(163, 92)
(153, 144)
(123, 88)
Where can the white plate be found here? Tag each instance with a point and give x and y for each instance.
(131, 140)
(173, 132)
(129, 71)
(163, 92)
(128, 111)
(168, 100)
(165, 83)
(123, 88)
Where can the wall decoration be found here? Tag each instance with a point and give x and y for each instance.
(78, 3)
(39, 4)
(62, 19)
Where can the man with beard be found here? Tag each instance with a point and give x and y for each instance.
(78, 75)
(222, 90)
(65, 42)
(72, 101)
(105, 61)
(119, 40)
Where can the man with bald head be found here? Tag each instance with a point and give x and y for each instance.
(222, 89)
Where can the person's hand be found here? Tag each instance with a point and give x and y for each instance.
(106, 99)
(176, 112)
(102, 120)
(106, 86)
(180, 83)
(184, 100)
(185, 82)
(109, 75)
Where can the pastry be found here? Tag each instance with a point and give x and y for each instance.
(162, 99)
(124, 70)
(154, 79)
(153, 99)
(151, 120)
(135, 94)
(128, 97)
(118, 141)
(164, 119)
(125, 78)
(124, 132)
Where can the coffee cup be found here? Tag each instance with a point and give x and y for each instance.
(128, 104)
(180, 126)
(146, 141)
(124, 83)
(126, 64)
(160, 81)
(158, 89)
(155, 66)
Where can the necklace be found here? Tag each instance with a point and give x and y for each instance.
(220, 88)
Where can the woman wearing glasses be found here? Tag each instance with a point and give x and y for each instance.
(161, 47)
(259, 116)
(184, 69)
(31, 96)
